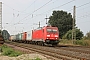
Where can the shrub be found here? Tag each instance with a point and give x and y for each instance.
(81, 42)
(7, 51)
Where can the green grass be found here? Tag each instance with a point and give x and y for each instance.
(38, 59)
(7, 51)
(82, 42)
(75, 42)
(66, 42)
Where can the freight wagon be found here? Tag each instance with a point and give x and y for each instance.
(42, 36)
(1, 39)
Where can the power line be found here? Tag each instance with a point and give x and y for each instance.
(58, 6)
(83, 5)
(17, 10)
(26, 8)
(43, 6)
(50, 9)
(83, 16)
(36, 10)
(11, 7)
(30, 5)
(61, 5)
(84, 22)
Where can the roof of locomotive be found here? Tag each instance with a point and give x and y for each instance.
(39, 28)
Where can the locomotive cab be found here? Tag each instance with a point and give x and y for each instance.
(52, 35)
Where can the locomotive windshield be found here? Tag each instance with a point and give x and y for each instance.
(51, 30)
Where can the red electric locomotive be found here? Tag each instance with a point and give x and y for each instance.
(46, 35)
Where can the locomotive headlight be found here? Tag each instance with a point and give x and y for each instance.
(47, 38)
(48, 35)
(56, 35)
(56, 38)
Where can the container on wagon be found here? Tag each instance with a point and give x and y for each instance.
(20, 36)
(17, 37)
(29, 35)
(14, 37)
(11, 37)
(24, 35)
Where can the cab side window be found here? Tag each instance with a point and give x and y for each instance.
(43, 30)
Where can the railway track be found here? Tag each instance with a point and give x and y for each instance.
(75, 49)
(64, 54)
(56, 57)
(76, 52)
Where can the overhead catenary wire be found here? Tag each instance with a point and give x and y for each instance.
(16, 16)
(48, 10)
(54, 7)
(83, 5)
(12, 8)
(24, 9)
(18, 10)
(58, 6)
(29, 5)
(44, 5)
(39, 8)
(83, 16)
(34, 11)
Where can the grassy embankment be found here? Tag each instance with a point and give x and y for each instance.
(75, 42)
(7, 51)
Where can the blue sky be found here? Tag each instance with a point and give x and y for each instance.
(24, 15)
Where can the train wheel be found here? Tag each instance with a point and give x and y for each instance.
(54, 45)
(42, 44)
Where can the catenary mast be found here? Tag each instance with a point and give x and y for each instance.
(1, 16)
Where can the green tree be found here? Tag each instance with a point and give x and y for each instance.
(5, 34)
(68, 35)
(62, 20)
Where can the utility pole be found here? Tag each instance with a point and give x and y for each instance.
(39, 24)
(1, 17)
(73, 27)
(46, 20)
